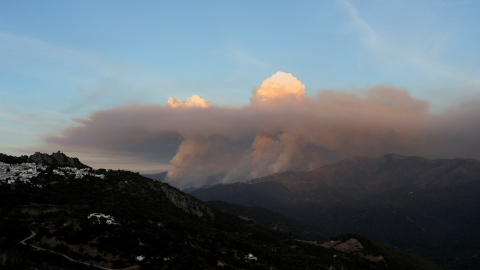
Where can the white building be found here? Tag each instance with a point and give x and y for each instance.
(250, 257)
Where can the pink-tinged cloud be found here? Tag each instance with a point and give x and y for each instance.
(280, 87)
(194, 101)
(280, 130)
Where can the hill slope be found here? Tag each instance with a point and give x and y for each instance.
(430, 207)
(126, 221)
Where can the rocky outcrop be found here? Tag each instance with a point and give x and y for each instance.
(354, 246)
(56, 159)
(187, 203)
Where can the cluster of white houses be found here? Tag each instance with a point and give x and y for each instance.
(10, 173)
(110, 220)
(79, 173)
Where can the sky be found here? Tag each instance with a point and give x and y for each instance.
(231, 90)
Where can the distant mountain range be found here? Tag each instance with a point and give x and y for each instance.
(126, 221)
(426, 206)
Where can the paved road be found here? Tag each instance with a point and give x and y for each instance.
(31, 235)
(23, 242)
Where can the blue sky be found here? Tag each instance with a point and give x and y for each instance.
(64, 60)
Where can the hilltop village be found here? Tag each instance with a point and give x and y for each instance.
(11, 173)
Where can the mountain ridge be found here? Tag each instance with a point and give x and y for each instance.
(369, 175)
(426, 206)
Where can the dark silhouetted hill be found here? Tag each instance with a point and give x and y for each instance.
(427, 206)
(126, 221)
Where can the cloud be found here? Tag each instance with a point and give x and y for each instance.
(280, 130)
(194, 101)
(281, 86)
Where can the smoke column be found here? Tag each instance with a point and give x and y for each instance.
(281, 129)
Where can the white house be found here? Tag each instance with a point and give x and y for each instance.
(250, 257)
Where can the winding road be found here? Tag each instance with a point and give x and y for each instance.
(23, 242)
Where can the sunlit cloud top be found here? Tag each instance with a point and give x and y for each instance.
(281, 86)
(194, 101)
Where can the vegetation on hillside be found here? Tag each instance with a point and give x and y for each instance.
(421, 206)
(151, 225)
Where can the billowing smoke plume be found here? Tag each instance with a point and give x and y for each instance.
(282, 129)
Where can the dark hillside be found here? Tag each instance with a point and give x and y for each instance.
(123, 220)
(428, 207)
(272, 220)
